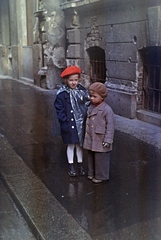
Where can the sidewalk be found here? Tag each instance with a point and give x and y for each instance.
(146, 132)
(45, 215)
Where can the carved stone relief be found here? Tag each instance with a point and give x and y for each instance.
(75, 19)
(93, 38)
(49, 32)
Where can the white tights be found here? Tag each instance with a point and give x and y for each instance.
(70, 153)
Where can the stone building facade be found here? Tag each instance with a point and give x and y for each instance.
(117, 42)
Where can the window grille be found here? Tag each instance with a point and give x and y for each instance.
(97, 64)
(152, 80)
(152, 88)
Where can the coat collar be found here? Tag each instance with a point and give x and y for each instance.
(95, 110)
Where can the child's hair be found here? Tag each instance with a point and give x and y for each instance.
(66, 78)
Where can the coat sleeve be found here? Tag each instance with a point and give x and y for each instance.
(56, 124)
(110, 122)
(60, 110)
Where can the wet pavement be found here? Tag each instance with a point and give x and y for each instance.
(12, 224)
(33, 167)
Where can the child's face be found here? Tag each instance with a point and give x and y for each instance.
(72, 81)
(96, 99)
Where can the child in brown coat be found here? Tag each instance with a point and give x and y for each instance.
(99, 134)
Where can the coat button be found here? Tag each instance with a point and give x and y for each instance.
(71, 111)
(72, 126)
(72, 119)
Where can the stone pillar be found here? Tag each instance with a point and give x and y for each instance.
(154, 26)
(21, 23)
(73, 36)
(13, 22)
(4, 36)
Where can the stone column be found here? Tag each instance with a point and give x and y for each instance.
(73, 36)
(154, 26)
(4, 36)
(21, 23)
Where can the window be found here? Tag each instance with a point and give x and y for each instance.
(97, 64)
(152, 79)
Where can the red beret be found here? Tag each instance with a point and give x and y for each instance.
(70, 71)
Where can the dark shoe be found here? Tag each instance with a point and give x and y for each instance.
(72, 171)
(81, 169)
(94, 180)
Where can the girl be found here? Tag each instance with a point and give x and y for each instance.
(99, 134)
(71, 107)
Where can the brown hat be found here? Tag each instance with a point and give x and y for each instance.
(99, 88)
(70, 71)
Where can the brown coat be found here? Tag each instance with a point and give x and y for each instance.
(99, 128)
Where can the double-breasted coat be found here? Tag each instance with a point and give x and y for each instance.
(66, 116)
(99, 128)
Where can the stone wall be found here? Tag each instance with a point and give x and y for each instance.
(27, 60)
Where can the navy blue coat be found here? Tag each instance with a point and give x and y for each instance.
(66, 119)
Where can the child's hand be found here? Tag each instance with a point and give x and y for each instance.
(105, 144)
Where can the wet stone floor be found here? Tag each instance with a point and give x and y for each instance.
(130, 198)
(12, 224)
